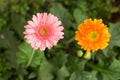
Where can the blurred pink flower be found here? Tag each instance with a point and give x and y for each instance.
(43, 31)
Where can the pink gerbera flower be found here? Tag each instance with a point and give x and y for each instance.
(43, 31)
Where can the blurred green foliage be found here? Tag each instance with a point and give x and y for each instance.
(61, 62)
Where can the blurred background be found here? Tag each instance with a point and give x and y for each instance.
(62, 61)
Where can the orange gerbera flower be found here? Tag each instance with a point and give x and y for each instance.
(92, 35)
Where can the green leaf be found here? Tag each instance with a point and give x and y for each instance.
(79, 15)
(20, 77)
(100, 62)
(45, 71)
(7, 39)
(9, 43)
(62, 73)
(32, 75)
(81, 64)
(84, 76)
(25, 52)
(1, 25)
(17, 23)
(60, 59)
(77, 65)
(106, 51)
(114, 71)
(82, 4)
(108, 77)
(61, 12)
(115, 67)
(115, 35)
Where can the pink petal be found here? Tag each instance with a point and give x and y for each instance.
(35, 20)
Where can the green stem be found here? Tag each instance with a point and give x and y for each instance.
(30, 59)
(70, 40)
(98, 68)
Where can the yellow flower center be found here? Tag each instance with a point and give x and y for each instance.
(93, 36)
(43, 31)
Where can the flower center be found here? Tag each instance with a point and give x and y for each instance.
(43, 31)
(93, 36)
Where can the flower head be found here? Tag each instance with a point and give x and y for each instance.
(92, 35)
(43, 31)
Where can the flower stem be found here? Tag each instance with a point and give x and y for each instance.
(98, 68)
(30, 59)
(70, 40)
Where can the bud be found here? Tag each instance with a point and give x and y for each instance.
(79, 53)
(87, 55)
